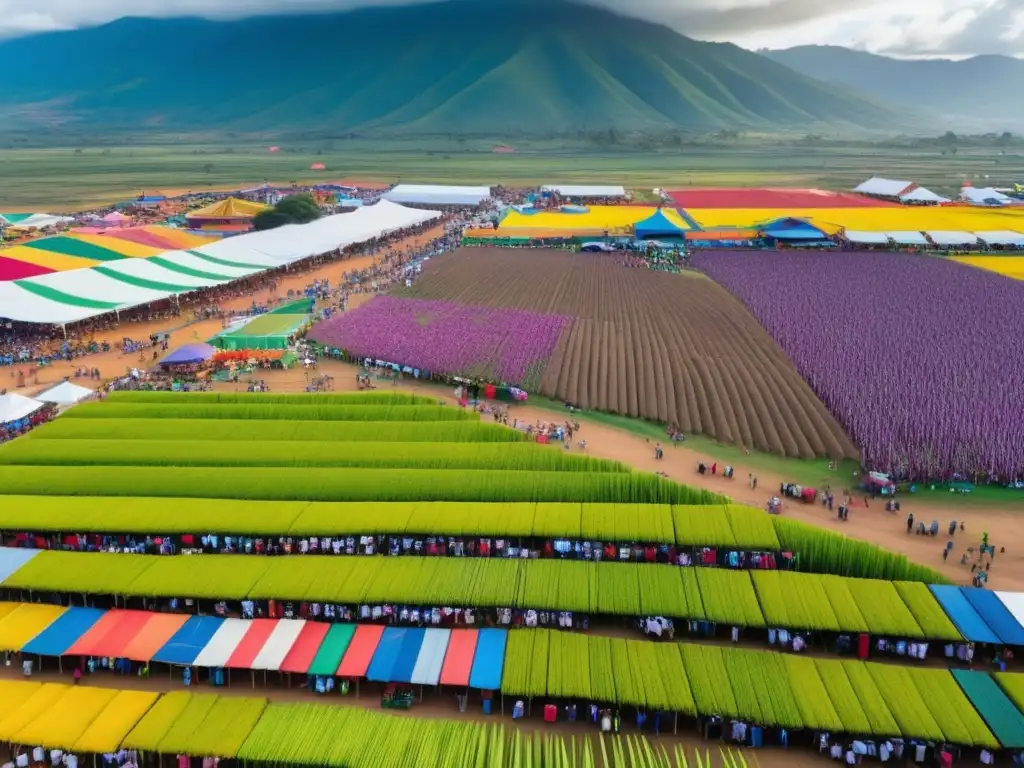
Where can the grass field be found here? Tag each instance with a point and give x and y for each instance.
(68, 177)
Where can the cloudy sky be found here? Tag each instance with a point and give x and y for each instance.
(895, 27)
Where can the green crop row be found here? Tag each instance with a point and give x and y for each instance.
(843, 696)
(875, 706)
(739, 527)
(761, 684)
(271, 412)
(228, 453)
(904, 701)
(934, 622)
(360, 484)
(243, 430)
(263, 398)
(953, 712)
(794, 600)
(1013, 684)
(810, 694)
(729, 597)
(881, 606)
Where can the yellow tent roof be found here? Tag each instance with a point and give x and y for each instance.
(597, 217)
(229, 208)
(875, 219)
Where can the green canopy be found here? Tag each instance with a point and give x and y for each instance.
(268, 331)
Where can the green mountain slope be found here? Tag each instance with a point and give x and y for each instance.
(464, 67)
(980, 87)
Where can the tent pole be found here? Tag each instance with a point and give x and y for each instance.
(64, 328)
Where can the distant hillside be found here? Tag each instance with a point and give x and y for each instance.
(498, 67)
(981, 87)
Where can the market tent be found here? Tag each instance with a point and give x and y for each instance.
(437, 194)
(255, 636)
(93, 286)
(222, 645)
(585, 190)
(186, 263)
(64, 632)
(999, 713)
(657, 225)
(12, 269)
(458, 659)
(922, 195)
(332, 650)
(12, 558)
(189, 641)
(155, 634)
(361, 650)
(1014, 603)
(35, 220)
(116, 218)
(963, 614)
(597, 219)
(278, 644)
(190, 353)
(427, 670)
(386, 656)
(25, 622)
(109, 636)
(64, 393)
(985, 196)
(408, 654)
(793, 229)
(866, 238)
(995, 614)
(300, 307)
(879, 187)
(269, 331)
(907, 238)
(489, 660)
(228, 209)
(304, 650)
(14, 407)
(148, 270)
(1001, 237)
(947, 237)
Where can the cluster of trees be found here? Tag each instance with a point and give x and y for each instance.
(294, 209)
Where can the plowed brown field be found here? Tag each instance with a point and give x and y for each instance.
(672, 348)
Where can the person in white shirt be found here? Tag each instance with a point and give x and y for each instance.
(38, 755)
(22, 760)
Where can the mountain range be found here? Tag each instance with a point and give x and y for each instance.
(980, 88)
(467, 67)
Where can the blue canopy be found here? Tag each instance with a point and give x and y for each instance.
(489, 660)
(793, 229)
(64, 632)
(963, 614)
(657, 225)
(11, 559)
(190, 353)
(382, 665)
(995, 614)
(186, 644)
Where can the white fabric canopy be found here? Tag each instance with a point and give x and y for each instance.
(90, 284)
(14, 406)
(64, 393)
(223, 643)
(40, 221)
(18, 304)
(948, 237)
(583, 190)
(984, 196)
(427, 670)
(907, 238)
(922, 195)
(866, 238)
(186, 260)
(1001, 237)
(1014, 602)
(437, 194)
(280, 641)
(144, 269)
(883, 187)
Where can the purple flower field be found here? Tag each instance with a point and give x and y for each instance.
(920, 359)
(439, 336)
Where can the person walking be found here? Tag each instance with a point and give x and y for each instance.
(910, 522)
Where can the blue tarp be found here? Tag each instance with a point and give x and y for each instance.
(793, 229)
(382, 664)
(407, 656)
(963, 615)
(489, 660)
(657, 225)
(64, 632)
(995, 615)
(12, 559)
(185, 644)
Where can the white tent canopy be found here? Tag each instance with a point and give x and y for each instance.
(866, 238)
(907, 238)
(64, 393)
(67, 297)
(14, 406)
(951, 237)
(583, 190)
(884, 187)
(1001, 237)
(984, 196)
(922, 195)
(437, 194)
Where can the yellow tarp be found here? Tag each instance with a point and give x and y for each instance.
(65, 720)
(230, 208)
(109, 729)
(181, 240)
(55, 261)
(1010, 266)
(598, 217)
(23, 711)
(25, 622)
(905, 218)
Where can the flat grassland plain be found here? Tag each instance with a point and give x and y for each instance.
(69, 177)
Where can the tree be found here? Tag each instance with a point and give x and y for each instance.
(294, 209)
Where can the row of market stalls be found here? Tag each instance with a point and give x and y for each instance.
(409, 655)
(911, 193)
(18, 412)
(938, 239)
(77, 294)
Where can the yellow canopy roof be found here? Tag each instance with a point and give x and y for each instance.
(597, 217)
(229, 208)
